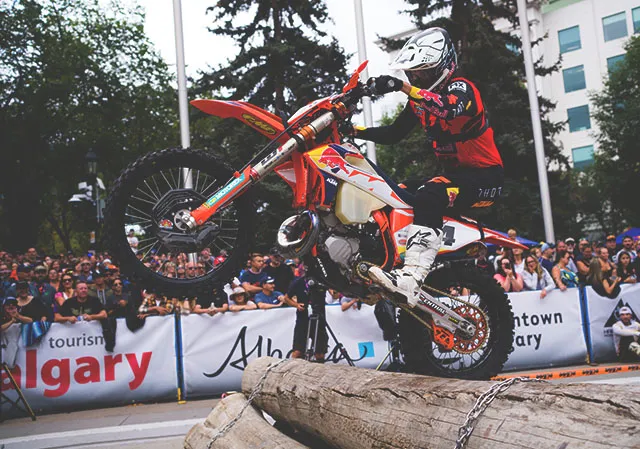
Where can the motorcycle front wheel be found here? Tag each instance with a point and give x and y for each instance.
(149, 196)
(479, 357)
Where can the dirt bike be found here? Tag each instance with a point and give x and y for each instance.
(350, 216)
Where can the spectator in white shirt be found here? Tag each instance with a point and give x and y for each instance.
(536, 277)
(626, 333)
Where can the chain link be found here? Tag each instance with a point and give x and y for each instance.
(256, 390)
(465, 431)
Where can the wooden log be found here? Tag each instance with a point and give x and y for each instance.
(353, 408)
(251, 431)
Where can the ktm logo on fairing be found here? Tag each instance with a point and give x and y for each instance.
(259, 124)
(333, 160)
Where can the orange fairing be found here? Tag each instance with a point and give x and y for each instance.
(262, 121)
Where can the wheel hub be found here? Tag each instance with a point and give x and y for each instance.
(466, 344)
(172, 215)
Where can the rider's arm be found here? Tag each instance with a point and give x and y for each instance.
(393, 133)
(456, 101)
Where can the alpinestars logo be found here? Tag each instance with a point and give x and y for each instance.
(421, 238)
(615, 316)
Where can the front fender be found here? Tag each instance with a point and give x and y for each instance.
(266, 123)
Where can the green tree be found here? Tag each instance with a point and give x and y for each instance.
(616, 169)
(285, 60)
(487, 58)
(74, 75)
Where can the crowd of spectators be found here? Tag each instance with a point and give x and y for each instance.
(38, 289)
(563, 264)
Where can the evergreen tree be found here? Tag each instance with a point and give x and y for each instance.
(616, 170)
(486, 57)
(285, 61)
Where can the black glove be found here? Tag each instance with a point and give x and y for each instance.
(384, 84)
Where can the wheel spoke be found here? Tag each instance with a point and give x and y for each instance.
(151, 190)
(144, 201)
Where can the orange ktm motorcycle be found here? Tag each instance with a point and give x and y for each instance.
(350, 216)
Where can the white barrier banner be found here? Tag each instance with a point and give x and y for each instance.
(603, 313)
(548, 331)
(70, 368)
(217, 349)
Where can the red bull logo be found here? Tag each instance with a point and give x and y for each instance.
(332, 159)
(430, 96)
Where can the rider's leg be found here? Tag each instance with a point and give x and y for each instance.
(424, 238)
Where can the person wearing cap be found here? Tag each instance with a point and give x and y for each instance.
(45, 290)
(85, 274)
(610, 244)
(239, 300)
(276, 269)
(626, 333)
(546, 256)
(269, 297)
(101, 291)
(627, 245)
(11, 314)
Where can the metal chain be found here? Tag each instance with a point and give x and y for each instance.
(257, 389)
(465, 431)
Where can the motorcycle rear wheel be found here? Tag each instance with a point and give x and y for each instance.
(423, 356)
(148, 182)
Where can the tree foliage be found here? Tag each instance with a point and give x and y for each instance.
(74, 75)
(285, 60)
(616, 170)
(487, 59)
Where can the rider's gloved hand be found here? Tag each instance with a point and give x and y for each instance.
(384, 84)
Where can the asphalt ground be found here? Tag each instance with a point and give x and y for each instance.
(164, 426)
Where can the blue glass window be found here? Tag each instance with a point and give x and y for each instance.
(569, 39)
(613, 61)
(574, 78)
(579, 118)
(614, 26)
(635, 15)
(582, 157)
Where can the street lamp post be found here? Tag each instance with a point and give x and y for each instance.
(91, 159)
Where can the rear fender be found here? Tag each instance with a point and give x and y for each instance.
(459, 234)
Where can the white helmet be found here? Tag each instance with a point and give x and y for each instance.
(428, 59)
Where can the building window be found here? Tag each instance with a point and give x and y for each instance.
(613, 61)
(569, 39)
(574, 78)
(579, 118)
(635, 14)
(615, 26)
(582, 157)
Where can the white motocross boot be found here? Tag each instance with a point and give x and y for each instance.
(423, 244)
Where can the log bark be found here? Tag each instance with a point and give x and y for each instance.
(250, 432)
(354, 408)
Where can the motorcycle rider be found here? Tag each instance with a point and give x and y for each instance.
(451, 112)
